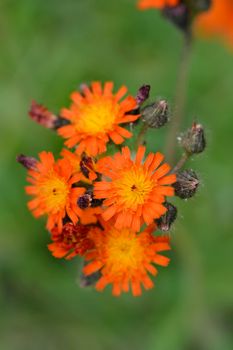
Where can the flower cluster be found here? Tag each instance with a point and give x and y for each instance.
(107, 209)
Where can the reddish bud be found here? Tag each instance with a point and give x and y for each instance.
(41, 115)
(143, 94)
(27, 162)
(87, 167)
(84, 201)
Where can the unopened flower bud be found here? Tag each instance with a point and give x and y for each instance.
(156, 114)
(142, 94)
(165, 221)
(87, 167)
(41, 115)
(187, 184)
(90, 280)
(179, 15)
(84, 201)
(27, 162)
(193, 140)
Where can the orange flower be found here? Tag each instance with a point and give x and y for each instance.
(218, 20)
(74, 160)
(125, 258)
(72, 241)
(160, 4)
(95, 117)
(133, 191)
(52, 189)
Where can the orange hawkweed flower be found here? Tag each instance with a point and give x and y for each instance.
(125, 258)
(95, 117)
(72, 241)
(159, 4)
(73, 158)
(218, 20)
(133, 191)
(52, 189)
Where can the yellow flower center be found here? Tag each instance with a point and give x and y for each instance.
(97, 116)
(124, 251)
(133, 187)
(54, 192)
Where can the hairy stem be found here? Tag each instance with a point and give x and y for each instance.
(185, 156)
(179, 100)
(141, 135)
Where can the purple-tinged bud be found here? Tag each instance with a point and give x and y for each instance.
(165, 221)
(156, 114)
(41, 115)
(193, 140)
(143, 94)
(87, 167)
(179, 15)
(187, 184)
(94, 202)
(84, 201)
(29, 163)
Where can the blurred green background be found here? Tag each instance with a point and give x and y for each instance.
(47, 49)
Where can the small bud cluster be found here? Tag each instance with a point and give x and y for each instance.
(193, 142)
(154, 115)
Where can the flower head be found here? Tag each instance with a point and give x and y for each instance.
(53, 191)
(133, 191)
(124, 258)
(159, 4)
(95, 117)
(218, 20)
(72, 241)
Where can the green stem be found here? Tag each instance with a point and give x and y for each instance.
(185, 156)
(180, 97)
(141, 135)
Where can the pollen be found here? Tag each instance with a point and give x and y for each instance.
(98, 117)
(133, 187)
(54, 192)
(124, 252)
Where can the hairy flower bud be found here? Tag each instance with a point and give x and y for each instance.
(41, 115)
(165, 221)
(27, 162)
(193, 140)
(142, 94)
(187, 184)
(156, 114)
(87, 165)
(179, 15)
(87, 200)
(84, 201)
